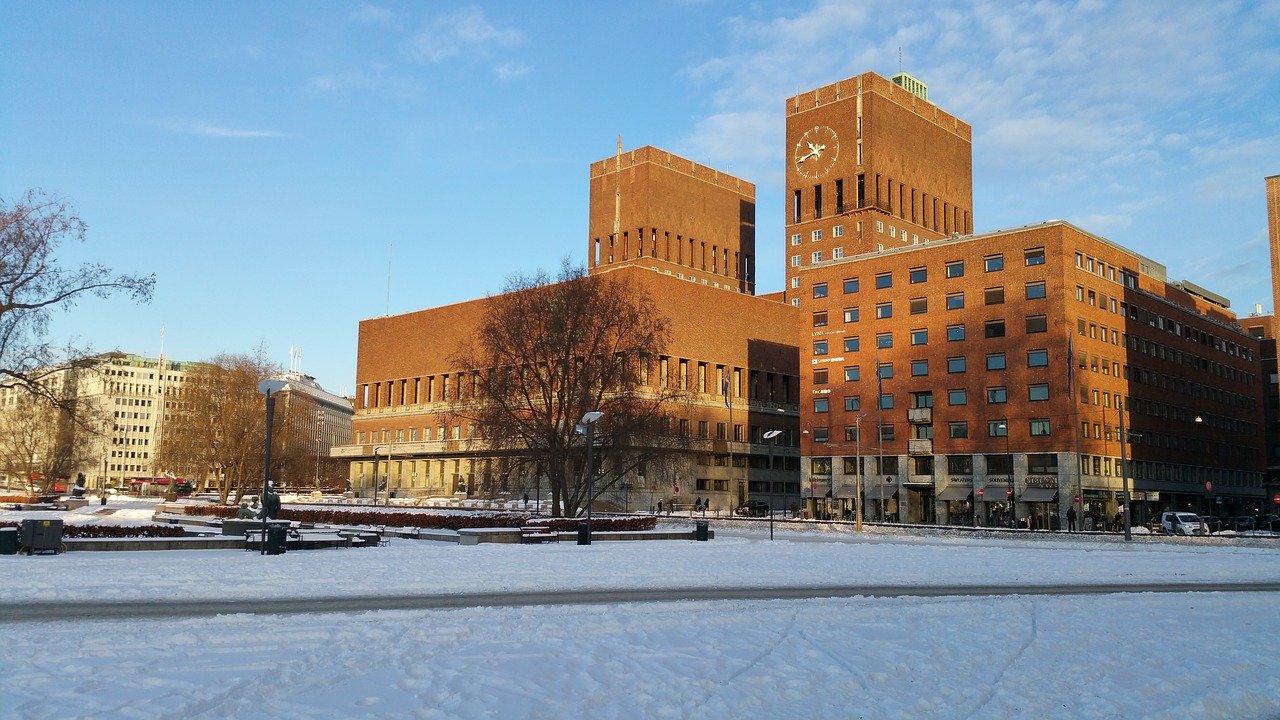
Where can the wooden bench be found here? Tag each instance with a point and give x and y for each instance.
(538, 534)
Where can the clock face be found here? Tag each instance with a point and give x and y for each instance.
(817, 151)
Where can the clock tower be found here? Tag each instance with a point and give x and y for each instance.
(872, 165)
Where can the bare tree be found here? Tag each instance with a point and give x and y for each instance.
(551, 350)
(33, 284)
(42, 441)
(219, 425)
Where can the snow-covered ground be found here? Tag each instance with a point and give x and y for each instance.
(1202, 655)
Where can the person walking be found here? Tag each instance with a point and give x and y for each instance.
(1071, 519)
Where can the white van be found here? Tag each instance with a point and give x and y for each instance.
(1182, 523)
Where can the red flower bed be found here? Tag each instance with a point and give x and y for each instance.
(113, 531)
(431, 520)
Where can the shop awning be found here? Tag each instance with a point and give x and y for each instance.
(882, 492)
(1039, 495)
(955, 492)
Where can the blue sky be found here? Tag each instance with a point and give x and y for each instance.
(260, 158)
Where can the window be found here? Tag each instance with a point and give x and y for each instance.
(850, 285)
(958, 396)
(919, 368)
(795, 283)
(795, 239)
(885, 370)
(995, 361)
(955, 332)
(994, 295)
(820, 318)
(851, 315)
(920, 337)
(993, 328)
(958, 430)
(992, 263)
(820, 290)
(820, 405)
(997, 428)
(837, 253)
(1039, 427)
(955, 269)
(886, 401)
(918, 275)
(1037, 358)
(795, 261)
(1038, 392)
(820, 347)
(837, 231)
(852, 374)
(852, 403)
(821, 435)
(955, 301)
(884, 340)
(820, 376)
(851, 344)
(886, 433)
(816, 235)
(1037, 324)
(884, 311)
(955, 365)
(1034, 256)
(884, 280)
(997, 395)
(817, 256)
(919, 306)
(1035, 290)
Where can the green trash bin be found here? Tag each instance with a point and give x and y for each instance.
(277, 538)
(700, 530)
(9, 541)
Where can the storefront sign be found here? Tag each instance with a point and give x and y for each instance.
(1042, 481)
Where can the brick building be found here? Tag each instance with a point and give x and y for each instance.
(995, 365)
(685, 233)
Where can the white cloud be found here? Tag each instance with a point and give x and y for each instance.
(207, 129)
(376, 78)
(511, 71)
(467, 29)
(371, 14)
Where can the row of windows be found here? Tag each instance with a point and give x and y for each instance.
(998, 428)
(994, 361)
(997, 395)
(1159, 322)
(920, 306)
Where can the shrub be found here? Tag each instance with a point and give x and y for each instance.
(113, 531)
(452, 521)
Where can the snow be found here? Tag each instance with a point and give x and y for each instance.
(1205, 655)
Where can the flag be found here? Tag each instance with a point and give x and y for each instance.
(724, 388)
(1071, 367)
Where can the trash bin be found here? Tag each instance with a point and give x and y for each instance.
(584, 534)
(39, 536)
(9, 541)
(700, 530)
(277, 537)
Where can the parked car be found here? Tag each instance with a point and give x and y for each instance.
(1213, 523)
(1182, 523)
(1243, 523)
(752, 508)
(1267, 522)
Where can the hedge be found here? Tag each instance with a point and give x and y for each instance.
(113, 531)
(433, 520)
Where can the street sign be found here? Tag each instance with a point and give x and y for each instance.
(983, 490)
(1276, 499)
(1208, 486)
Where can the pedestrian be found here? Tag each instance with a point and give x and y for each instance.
(659, 507)
(697, 504)
(526, 501)
(1071, 519)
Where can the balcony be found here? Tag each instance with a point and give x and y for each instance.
(919, 447)
(920, 416)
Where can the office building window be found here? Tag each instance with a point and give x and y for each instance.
(918, 275)
(958, 396)
(850, 285)
(919, 368)
(955, 332)
(995, 361)
(884, 280)
(820, 405)
(820, 290)
(955, 301)
(884, 340)
(919, 306)
(955, 269)
(1039, 427)
(1035, 290)
(997, 428)
(955, 364)
(958, 429)
(820, 347)
(851, 344)
(884, 311)
(997, 395)
(993, 328)
(1034, 256)
(852, 373)
(992, 263)
(851, 315)
(993, 296)
(1038, 392)
(1037, 358)
(920, 336)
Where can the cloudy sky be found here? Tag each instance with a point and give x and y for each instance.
(270, 162)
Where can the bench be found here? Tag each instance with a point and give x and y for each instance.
(538, 534)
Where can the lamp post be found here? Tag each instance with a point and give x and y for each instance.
(1003, 426)
(319, 440)
(587, 425)
(1124, 471)
(857, 467)
(267, 387)
(771, 435)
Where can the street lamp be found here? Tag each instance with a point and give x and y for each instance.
(587, 425)
(1003, 426)
(857, 468)
(1124, 471)
(319, 440)
(267, 387)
